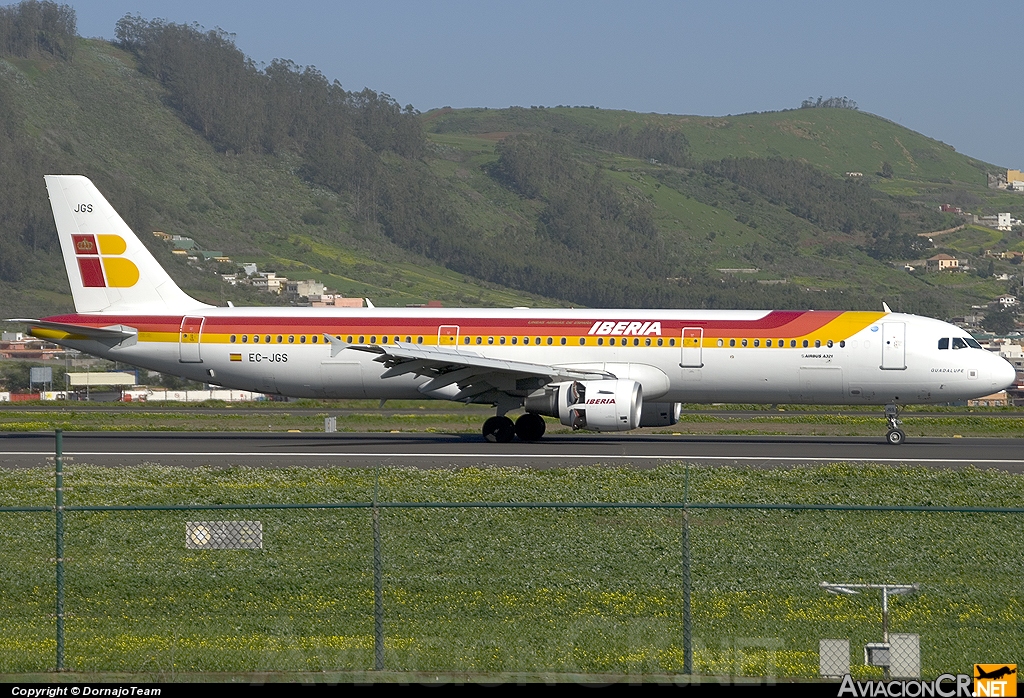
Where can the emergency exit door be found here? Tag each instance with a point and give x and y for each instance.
(693, 339)
(894, 347)
(448, 336)
(190, 340)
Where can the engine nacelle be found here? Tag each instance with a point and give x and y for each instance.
(603, 405)
(660, 414)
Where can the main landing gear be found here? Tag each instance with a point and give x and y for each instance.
(501, 429)
(895, 435)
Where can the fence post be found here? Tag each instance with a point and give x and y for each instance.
(378, 582)
(59, 516)
(687, 618)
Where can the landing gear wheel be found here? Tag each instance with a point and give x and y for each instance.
(530, 427)
(895, 437)
(499, 430)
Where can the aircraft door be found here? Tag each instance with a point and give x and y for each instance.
(189, 340)
(693, 340)
(448, 336)
(894, 347)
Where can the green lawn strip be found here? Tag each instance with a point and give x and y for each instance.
(510, 590)
(794, 420)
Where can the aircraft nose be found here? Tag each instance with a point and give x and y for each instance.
(1004, 374)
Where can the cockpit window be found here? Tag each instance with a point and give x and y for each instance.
(959, 343)
(944, 343)
(972, 343)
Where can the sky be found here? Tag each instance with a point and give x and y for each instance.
(950, 70)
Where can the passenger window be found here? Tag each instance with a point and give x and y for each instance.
(767, 342)
(660, 341)
(501, 340)
(817, 343)
(316, 338)
(373, 339)
(647, 342)
(944, 343)
(267, 338)
(829, 344)
(842, 343)
(465, 340)
(291, 339)
(562, 341)
(757, 342)
(721, 342)
(232, 339)
(536, 340)
(959, 343)
(600, 341)
(672, 342)
(490, 340)
(792, 343)
(805, 344)
(419, 340)
(280, 339)
(256, 338)
(515, 340)
(302, 339)
(245, 338)
(583, 340)
(550, 341)
(408, 339)
(479, 340)
(743, 343)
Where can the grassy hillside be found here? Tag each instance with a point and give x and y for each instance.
(504, 207)
(98, 116)
(721, 225)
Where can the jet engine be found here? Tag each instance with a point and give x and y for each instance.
(660, 414)
(602, 405)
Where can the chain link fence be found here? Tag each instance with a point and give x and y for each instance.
(529, 587)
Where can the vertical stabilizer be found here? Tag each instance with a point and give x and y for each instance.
(109, 268)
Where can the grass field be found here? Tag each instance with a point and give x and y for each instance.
(411, 416)
(501, 590)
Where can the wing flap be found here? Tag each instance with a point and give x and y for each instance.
(472, 373)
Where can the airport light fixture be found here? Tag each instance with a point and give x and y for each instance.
(875, 653)
(887, 591)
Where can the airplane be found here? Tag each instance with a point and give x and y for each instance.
(606, 370)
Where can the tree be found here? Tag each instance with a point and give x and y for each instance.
(886, 170)
(1001, 320)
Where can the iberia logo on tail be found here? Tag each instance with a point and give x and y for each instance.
(100, 261)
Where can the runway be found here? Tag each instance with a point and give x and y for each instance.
(188, 449)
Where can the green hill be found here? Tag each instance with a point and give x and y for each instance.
(100, 117)
(472, 207)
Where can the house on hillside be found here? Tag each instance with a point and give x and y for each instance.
(294, 290)
(941, 262)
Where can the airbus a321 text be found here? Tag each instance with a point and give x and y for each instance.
(603, 370)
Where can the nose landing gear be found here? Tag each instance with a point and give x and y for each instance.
(895, 435)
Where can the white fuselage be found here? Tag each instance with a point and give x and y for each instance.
(891, 358)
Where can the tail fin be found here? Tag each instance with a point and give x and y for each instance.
(109, 268)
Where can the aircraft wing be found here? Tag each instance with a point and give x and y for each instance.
(473, 373)
(63, 330)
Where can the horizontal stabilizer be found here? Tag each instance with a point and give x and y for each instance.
(64, 330)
